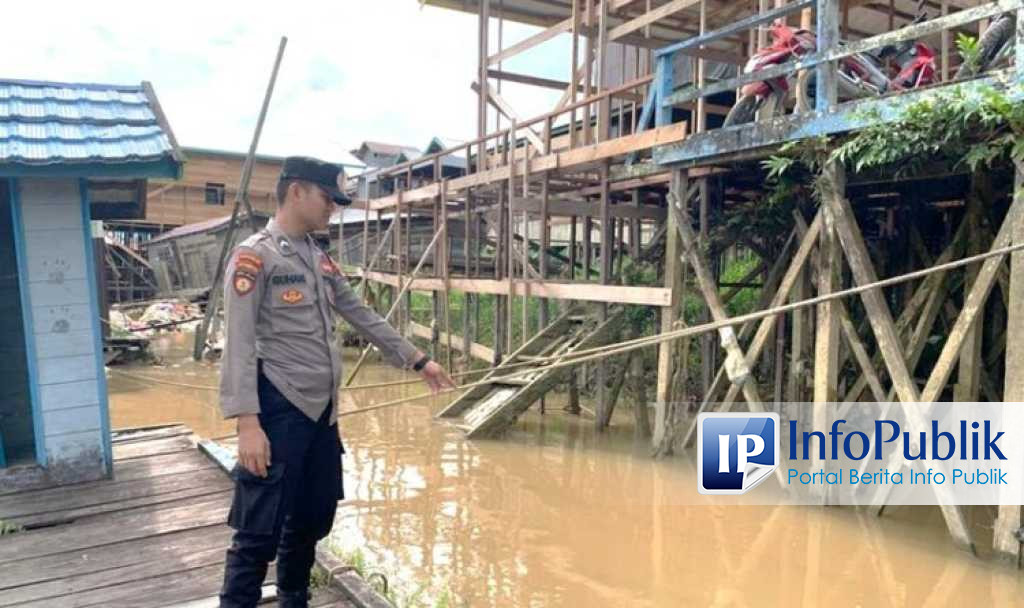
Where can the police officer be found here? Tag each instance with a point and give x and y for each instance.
(279, 378)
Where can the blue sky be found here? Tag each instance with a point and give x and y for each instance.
(385, 70)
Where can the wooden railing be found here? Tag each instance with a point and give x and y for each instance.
(828, 51)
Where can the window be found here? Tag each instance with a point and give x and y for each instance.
(214, 193)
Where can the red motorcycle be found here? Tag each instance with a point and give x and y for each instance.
(906, 65)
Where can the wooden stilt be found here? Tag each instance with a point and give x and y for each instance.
(671, 277)
(1005, 539)
(832, 185)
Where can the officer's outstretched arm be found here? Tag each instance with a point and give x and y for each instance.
(399, 351)
(243, 292)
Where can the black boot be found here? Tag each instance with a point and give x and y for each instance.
(292, 599)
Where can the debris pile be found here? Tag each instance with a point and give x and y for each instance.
(168, 315)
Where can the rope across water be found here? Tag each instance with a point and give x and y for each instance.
(611, 350)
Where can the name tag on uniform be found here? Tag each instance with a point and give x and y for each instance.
(287, 279)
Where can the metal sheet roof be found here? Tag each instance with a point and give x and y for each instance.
(49, 123)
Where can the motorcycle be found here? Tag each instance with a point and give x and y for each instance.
(906, 65)
(994, 46)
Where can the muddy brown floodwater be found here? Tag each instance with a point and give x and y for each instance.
(556, 514)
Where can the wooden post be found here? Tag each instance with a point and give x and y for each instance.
(483, 49)
(672, 282)
(968, 386)
(588, 76)
(435, 300)
(707, 341)
(467, 338)
(828, 37)
(826, 337)
(603, 106)
(1009, 519)
(99, 251)
(573, 71)
(945, 45)
(510, 150)
(603, 405)
(445, 258)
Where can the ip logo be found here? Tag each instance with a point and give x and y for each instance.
(735, 452)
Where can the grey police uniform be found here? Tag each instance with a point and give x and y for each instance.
(280, 310)
(281, 362)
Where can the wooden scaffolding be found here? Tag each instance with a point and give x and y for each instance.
(634, 160)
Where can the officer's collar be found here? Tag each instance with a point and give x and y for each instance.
(282, 242)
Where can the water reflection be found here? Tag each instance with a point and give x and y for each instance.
(556, 514)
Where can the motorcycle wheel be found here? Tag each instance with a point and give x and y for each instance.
(988, 47)
(743, 111)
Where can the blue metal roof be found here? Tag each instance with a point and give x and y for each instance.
(49, 125)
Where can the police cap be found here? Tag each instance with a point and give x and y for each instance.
(323, 174)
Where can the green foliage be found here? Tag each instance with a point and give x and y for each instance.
(745, 300)
(970, 129)
(444, 598)
(7, 528)
(970, 49)
(963, 128)
(318, 578)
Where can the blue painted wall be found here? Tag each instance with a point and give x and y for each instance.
(71, 395)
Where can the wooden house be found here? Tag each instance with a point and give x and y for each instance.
(185, 259)
(69, 154)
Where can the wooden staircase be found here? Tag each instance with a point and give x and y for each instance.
(487, 409)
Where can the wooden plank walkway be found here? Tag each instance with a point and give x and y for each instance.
(152, 537)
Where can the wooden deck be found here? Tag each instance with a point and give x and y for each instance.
(154, 536)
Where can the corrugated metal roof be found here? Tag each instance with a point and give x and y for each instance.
(203, 226)
(49, 123)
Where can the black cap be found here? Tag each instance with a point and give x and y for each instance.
(318, 172)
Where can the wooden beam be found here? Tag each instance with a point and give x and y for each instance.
(503, 106)
(649, 17)
(767, 324)
(590, 292)
(476, 350)
(974, 302)
(540, 37)
(832, 184)
(578, 157)
(562, 207)
(860, 353)
(739, 372)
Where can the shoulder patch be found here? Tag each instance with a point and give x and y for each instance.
(243, 282)
(247, 267)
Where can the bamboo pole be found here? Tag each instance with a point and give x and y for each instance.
(241, 199)
(398, 298)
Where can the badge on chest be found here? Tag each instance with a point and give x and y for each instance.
(292, 296)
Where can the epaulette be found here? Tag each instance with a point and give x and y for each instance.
(255, 239)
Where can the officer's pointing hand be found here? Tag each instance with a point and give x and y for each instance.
(435, 377)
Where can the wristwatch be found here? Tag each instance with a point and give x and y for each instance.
(419, 365)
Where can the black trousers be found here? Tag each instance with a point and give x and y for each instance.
(286, 513)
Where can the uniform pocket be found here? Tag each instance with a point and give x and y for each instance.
(258, 500)
(294, 311)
